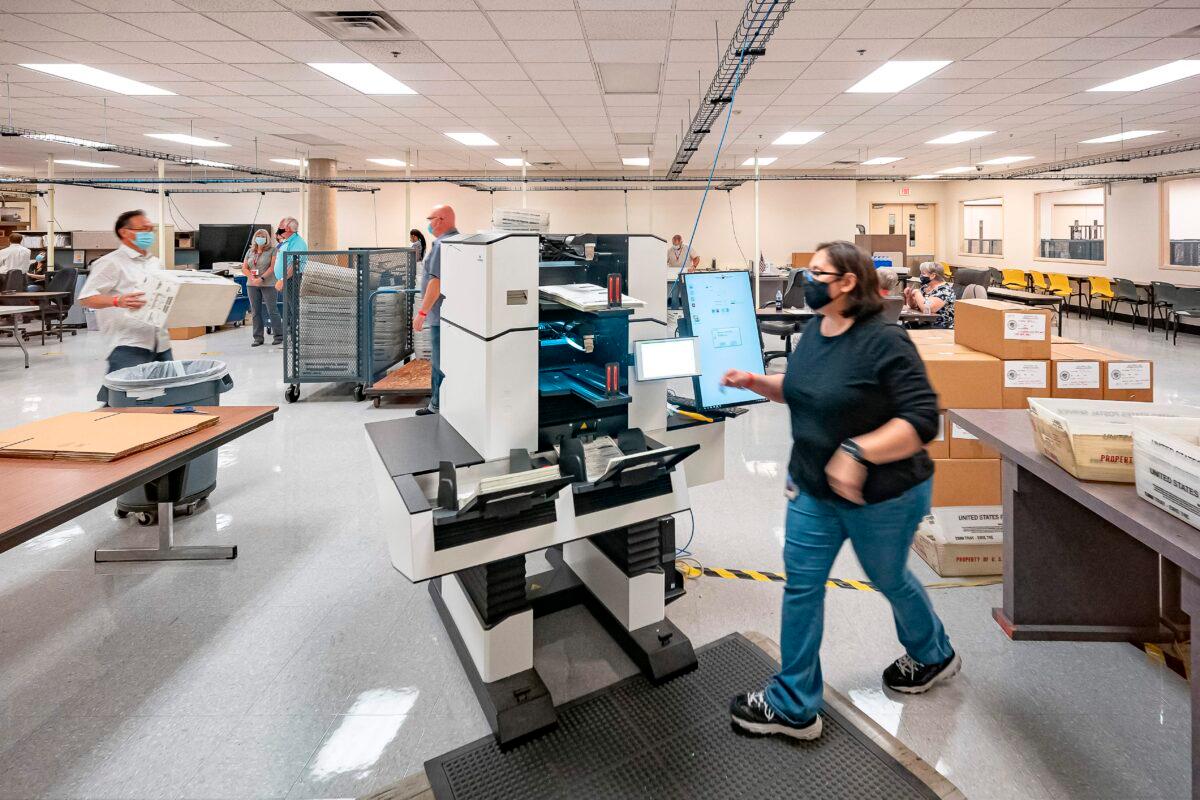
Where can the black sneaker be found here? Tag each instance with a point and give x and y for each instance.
(424, 412)
(752, 713)
(277, 342)
(256, 343)
(910, 676)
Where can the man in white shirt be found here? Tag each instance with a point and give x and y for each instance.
(675, 253)
(113, 289)
(15, 256)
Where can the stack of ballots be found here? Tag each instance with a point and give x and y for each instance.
(328, 329)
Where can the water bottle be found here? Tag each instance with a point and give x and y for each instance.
(779, 299)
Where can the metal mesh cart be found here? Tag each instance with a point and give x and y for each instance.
(335, 331)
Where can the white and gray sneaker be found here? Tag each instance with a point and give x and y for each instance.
(752, 713)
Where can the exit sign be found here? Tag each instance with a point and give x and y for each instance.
(905, 191)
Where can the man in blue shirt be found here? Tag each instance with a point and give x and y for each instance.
(289, 242)
(441, 225)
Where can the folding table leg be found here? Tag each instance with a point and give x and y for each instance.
(167, 550)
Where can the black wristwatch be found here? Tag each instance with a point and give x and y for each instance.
(851, 448)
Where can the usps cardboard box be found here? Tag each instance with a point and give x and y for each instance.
(1125, 377)
(1023, 380)
(962, 541)
(1093, 439)
(1004, 330)
(185, 299)
(966, 482)
(940, 446)
(1075, 373)
(963, 379)
(1166, 463)
(964, 444)
(931, 336)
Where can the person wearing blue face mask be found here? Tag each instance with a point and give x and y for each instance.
(113, 290)
(441, 225)
(258, 266)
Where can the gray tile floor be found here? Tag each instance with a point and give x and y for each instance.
(309, 668)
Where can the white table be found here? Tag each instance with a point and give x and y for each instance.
(13, 312)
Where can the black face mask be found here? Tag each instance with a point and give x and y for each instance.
(925, 279)
(280, 231)
(816, 293)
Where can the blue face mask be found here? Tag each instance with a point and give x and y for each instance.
(430, 227)
(260, 240)
(144, 239)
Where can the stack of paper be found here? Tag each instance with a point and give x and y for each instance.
(585, 296)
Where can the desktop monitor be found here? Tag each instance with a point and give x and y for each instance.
(719, 311)
(659, 359)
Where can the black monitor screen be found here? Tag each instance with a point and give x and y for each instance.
(217, 243)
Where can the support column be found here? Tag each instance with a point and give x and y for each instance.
(321, 207)
(407, 195)
(162, 216)
(50, 222)
(757, 239)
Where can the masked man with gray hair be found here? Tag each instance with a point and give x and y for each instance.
(290, 241)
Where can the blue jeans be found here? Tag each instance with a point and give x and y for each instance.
(881, 534)
(435, 362)
(126, 356)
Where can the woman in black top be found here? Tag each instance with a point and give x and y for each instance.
(417, 240)
(862, 409)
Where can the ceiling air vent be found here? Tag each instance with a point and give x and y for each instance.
(359, 26)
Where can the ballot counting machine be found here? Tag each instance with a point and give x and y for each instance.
(536, 375)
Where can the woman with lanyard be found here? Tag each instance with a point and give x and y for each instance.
(935, 295)
(861, 408)
(259, 266)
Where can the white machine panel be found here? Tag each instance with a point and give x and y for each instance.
(635, 602)
(490, 393)
(648, 410)
(502, 650)
(705, 466)
(490, 282)
(647, 259)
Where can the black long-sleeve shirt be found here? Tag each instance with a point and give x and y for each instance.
(843, 386)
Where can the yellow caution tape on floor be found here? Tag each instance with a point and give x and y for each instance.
(763, 576)
(1175, 656)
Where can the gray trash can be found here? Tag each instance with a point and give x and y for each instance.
(198, 382)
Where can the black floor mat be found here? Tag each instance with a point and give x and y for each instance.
(634, 740)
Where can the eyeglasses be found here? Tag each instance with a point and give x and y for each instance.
(812, 273)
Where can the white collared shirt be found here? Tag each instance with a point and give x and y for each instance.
(122, 271)
(15, 256)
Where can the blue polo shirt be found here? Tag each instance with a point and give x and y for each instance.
(294, 243)
(433, 269)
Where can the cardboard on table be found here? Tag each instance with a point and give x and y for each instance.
(1075, 372)
(185, 299)
(964, 444)
(939, 447)
(1004, 330)
(97, 435)
(1093, 439)
(962, 541)
(1023, 380)
(966, 482)
(963, 380)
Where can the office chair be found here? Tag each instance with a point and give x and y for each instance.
(974, 292)
(1126, 291)
(1165, 297)
(1187, 304)
(63, 280)
(15, 281)
(793, 297)
(892, 307)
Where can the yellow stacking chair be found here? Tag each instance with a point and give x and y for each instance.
(1100, 288)
(1014, 279)
(1038, 280)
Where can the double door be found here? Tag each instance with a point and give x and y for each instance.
(917, 222)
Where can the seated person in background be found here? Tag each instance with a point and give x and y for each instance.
(935, 295)
(887, 282)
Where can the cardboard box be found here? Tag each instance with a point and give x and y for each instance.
(1005, 330)
(185, 299)
(1075, 373)
(1124, 377)
(964, 444)
(931, 336)
(1056, 339)
(182, 334)
(1166, 462)
(966, 482)
(940, 446)
(1093, 439)
(946, 347)
(1023, 380)
(964, 380)
(963, 541)
(104, 435)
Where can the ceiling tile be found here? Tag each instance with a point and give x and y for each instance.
(477, 51)
(811, 23)
(92, 27)
(983, 22)
(526, 25)
(283, 27)
(182, 27)
(629, 52)
(1073, 21)
(625, 25)
(392, 52)
(443, 25)
(877, 50)
(1019, 49)
(1096, 48)
(911, 23)
(927, 49)
(1155, 22)
(161, 52)
(17, 29)
(81, 52)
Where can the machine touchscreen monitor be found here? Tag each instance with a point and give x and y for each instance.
(719, 312)
(659, 359)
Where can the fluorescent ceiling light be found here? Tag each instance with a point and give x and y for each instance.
(291, 162)
(637, 161)
(798, 137)
(954, 170)
(98, 77)
(90, 164)
(53, 137)
(994, 162)
(514, 162)
(1167, 73)
(388, 162)
(183, 138)
(366, 78)
(881, 160)
(203, 162)
(896, 76)
(925, 177)
(958, 137)
(762, 161)
(472, 138)
(1120, 137)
